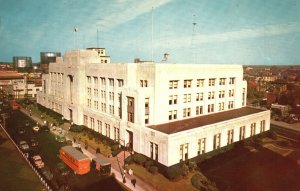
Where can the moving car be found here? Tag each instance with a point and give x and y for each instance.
(38, 161)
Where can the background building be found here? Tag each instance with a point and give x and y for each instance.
(46, 58)
(22, 63)
(168, 112)
(101, 54)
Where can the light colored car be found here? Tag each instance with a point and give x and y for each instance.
(36, 128)
(38, 161)
(23, 145)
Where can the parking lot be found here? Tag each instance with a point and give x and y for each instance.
(44, 144)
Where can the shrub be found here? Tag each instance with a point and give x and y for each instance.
(76, 128)
(185, 170)
(192, 166)
(200, 182)
(116, 152)
(148, 164)
(115, 147)
(174, 173)
(153, 169)
(129, 160)
(139, 159)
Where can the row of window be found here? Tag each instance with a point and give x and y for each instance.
(201, 147)
(199, 96)
(90, 122)
(173, 84)
(111, 81)
(199, 110)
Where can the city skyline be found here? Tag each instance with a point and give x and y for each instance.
(216, 32)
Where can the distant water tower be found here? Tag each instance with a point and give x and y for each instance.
(46, 58)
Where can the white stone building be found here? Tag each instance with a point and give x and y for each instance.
(168, 112)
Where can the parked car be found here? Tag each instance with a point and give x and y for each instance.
(45, 128)
(36, 128)
(33, 142)
(23, 145)
(21, 130)
(27, 124)
(38, 161)
(60, 138)
(47, 173)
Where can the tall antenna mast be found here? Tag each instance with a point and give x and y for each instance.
(193, 40)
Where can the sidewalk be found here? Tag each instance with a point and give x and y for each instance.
(116, 167)
(295, 126)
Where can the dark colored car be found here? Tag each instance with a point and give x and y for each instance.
(33, 142)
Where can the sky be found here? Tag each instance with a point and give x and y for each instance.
(191, 31)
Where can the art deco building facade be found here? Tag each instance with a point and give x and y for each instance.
(168, 112)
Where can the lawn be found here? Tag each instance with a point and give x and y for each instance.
(240, 169)
(15, 170)
(160, 182)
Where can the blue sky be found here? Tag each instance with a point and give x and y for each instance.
(226, 31)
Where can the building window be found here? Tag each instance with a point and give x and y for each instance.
(130, 109)
(95, 81)
(253, 129)
(143, 83)
(242, 133)
(116, 134)
(186, 112)
(111, 96)
(186, 98)
(221, 106)
(96, 92)
(111, 82)
(230, 136)
(184, 152)
(201, 146)
(173, 84)
(146, 118)
(172, 99)
(222, 81)
(89, 103)
(107, 130)
(211, 82)
(96, 105)
(210, 108)
(103, 107)
(111, 109)
(199, 96)
(231, 80)
(222, 94)
(243, 97)
(88, 78)
(217, 141)
(103, 82)
(199, 110)
(99, 123)
(154, 151)
(200, 82)
(231, 93)
(262, 126)
(89, 91)
(172, 114)
(92, 123)
(211, 95)
(187, 83)
(85, 120)
(230, 104)
(120, 83)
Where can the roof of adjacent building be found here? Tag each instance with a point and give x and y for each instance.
(74, 153)
(7, 75)
(183, 125)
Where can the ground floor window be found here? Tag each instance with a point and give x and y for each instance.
(262, 126)
(184, 152)
(107, 126)
(242, 133)
(116, 134)
(99, 124)
(154, 151)
(230, 137)
(217, 141)
(201, 146)
(253, 129)
(85, 120)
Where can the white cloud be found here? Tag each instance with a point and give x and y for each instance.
(123, 11)
(245, 33)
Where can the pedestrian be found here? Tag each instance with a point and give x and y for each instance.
(133, 182)
(130, 171)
